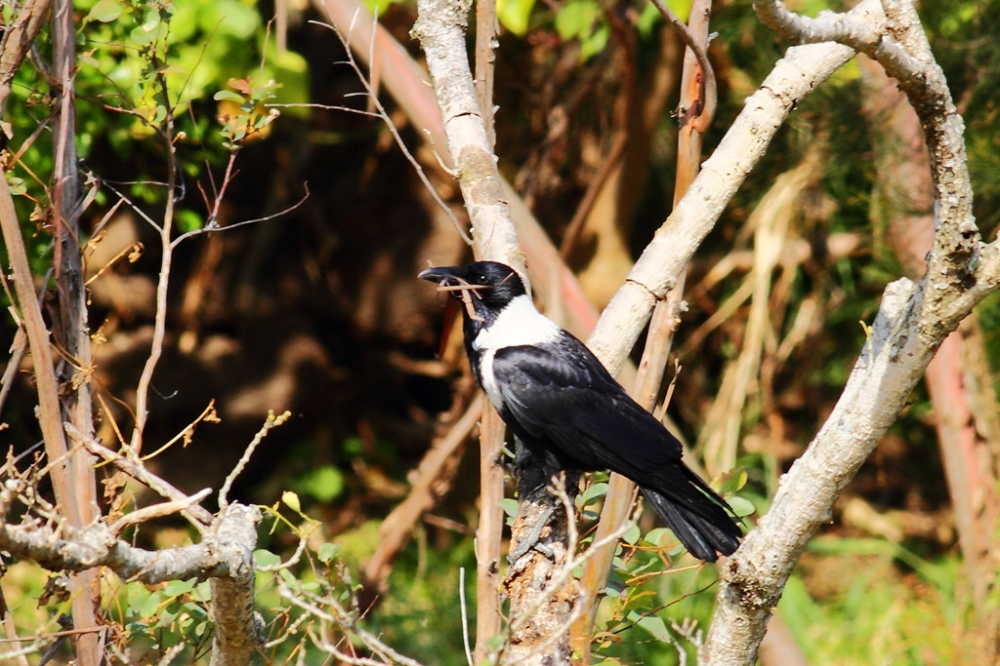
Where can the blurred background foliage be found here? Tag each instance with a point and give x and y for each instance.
(318, 311)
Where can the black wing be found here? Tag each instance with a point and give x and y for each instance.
(561, 396)
(560, 393)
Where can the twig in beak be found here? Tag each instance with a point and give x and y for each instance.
(467, 291)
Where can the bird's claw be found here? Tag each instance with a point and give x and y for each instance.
(532, 540)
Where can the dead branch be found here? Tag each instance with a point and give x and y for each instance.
(67, 548)
(17, 38)
(398, 525)
(198, 516)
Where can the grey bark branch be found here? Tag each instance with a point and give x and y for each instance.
(912, 321)
(441, 29)
(65, 548)
(224, 557)
(673, 245)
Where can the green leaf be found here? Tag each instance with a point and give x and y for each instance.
(238, 19)
(150, 608)
(228, 95)
(658, 537)
(145, 35)
(327, 552)
(17, 186)
(265, 558)
(509, 506)
(730, 482)
(188, 220)
(576, 19)
(514, 14)
(105, 11)
(136, 595)
(595, 43)
(592, 492)
(741, 507)
(632, 534)
(655, 626)
(175, 588)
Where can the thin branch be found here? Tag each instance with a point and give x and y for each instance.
(373, 98)
(159, 510)
(703, 111)
(272, 421)
(329, 609)
(465, 616)
(199, 517)
(242, 223)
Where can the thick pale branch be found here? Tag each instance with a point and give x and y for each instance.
(441, 29)
(911, 324)
(239, 630)
(656, 271)
(70, 549)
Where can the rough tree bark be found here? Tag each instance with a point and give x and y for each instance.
(70, 327)
(441, 29)
(911, 324)
(964, 407)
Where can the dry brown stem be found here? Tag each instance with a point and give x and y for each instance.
(398, 525)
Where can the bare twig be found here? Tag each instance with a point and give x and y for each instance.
(198, 516)
(242, 223)
(329, 610)
(208, 414)
(159, 510)
(272, 421)
(702, 111)
(373, 98)
(465, 615)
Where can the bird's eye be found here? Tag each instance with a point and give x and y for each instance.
(482, 279)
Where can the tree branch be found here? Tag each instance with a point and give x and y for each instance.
(673, 245)
(912, 321)
(66, 548)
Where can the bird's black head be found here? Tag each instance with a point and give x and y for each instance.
(486, 287)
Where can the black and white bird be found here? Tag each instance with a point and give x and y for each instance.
(558, 399)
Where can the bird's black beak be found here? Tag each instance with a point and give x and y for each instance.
(440, 274)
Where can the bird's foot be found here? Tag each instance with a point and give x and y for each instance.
(532, 540)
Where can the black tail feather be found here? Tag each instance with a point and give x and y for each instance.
(710, 531)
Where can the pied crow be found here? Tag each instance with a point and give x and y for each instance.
(558, 399)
